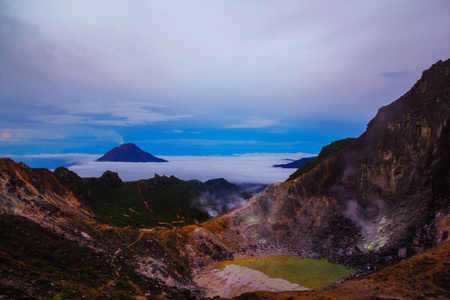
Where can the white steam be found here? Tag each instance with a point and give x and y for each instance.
(219, 202)
(215, 205)
(366, 216)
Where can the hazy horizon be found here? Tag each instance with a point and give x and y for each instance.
(254, 168)
(206, 77)
(219, 88)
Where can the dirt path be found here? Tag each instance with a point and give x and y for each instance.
(140, 236)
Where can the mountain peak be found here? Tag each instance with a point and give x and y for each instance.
(129, 152)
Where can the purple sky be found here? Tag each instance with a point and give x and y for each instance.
(206, 77)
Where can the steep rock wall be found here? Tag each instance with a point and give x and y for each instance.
(26, 191)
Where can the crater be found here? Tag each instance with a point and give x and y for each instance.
(273, 273)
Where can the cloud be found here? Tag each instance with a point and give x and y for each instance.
(52, 161)
(39, 135)
(207, 142)
(247, 168)
(255, 122)
(6, 135)
(394, 74)
(70, 157)
(143, 64)
(110, 113)
(250, 168)
(141, 118)
(29, 134)
(219, 143)
(270, 57)
(61, 119)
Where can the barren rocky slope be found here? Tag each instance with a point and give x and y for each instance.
(383, 198)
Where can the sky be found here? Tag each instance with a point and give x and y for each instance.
(202, 78)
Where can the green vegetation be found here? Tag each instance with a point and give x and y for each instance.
(63, 294)
(326, 152)
(159, 201)
(311, 273)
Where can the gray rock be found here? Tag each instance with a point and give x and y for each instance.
(402, 253)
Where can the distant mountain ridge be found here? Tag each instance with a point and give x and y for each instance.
(129, 152)
(295, 164)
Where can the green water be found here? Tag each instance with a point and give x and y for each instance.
(311, 273)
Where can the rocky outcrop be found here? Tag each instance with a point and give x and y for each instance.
(26, 191)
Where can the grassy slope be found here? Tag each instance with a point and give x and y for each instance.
(147, 203)
(159, 201)
(326, 152)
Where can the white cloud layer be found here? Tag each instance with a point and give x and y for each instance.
(248, 168)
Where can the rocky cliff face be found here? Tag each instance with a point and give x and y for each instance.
(374, 202)
(35, 192)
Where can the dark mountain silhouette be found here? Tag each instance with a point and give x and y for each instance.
(129, 153)
(295, 164)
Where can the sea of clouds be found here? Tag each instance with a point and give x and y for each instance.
(242, 168)
(248, 168)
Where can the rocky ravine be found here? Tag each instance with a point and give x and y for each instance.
(378, 201)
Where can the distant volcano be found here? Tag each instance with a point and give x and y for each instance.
(129, 153)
